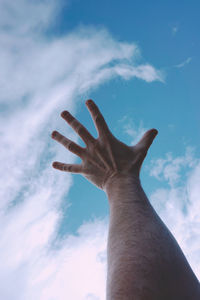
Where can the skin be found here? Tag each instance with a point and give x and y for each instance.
(145, 261)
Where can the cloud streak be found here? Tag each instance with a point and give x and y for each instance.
(135, 132)
(184, 63)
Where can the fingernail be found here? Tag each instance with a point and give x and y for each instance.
(54, 133)
(89, 102)
(54, 164)
(155, 131)
(65, 113)
(67, 116)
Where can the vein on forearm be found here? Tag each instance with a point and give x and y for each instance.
(133, 224)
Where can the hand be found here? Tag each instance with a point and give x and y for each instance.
(106, 156)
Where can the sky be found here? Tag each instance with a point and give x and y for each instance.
(139, 61)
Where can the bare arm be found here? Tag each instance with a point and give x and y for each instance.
(144, 260)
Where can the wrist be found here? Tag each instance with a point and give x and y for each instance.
(120, 182)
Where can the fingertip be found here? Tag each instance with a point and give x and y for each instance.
(67, 116)
(54, 164)
(64, 113)
(53, 134)
(89, 102)
(154, 131)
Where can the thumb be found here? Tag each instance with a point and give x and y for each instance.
(147, 139)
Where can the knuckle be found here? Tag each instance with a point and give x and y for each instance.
(61, 139)
(98, 118)
(74, 123)
(69, 168)
(94, 144)
(91, 148)
(80, 130)
(68, 117)
(71, 146)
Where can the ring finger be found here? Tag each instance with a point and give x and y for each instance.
(78, 127)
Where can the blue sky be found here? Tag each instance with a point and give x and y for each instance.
(139, 62)
(166, 34)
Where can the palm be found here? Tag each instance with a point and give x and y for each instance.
(106, 156)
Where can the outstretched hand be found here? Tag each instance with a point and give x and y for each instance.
(104, 157)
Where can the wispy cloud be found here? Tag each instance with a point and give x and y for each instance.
(40, 76)
(175, 29)
(178, 204)
(145, 72)
(185, 62)
(134, 131)
(169, 168)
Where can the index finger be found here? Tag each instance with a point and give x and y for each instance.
(99, 121)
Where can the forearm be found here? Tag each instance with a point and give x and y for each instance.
(144, 259)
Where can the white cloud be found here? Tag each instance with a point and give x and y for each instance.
(21, 17)
(178, 204)
(41, 76)
(76, 269)
(145, 72)
(169, 168)
(134, 131)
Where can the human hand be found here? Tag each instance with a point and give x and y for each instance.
(104, 157)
